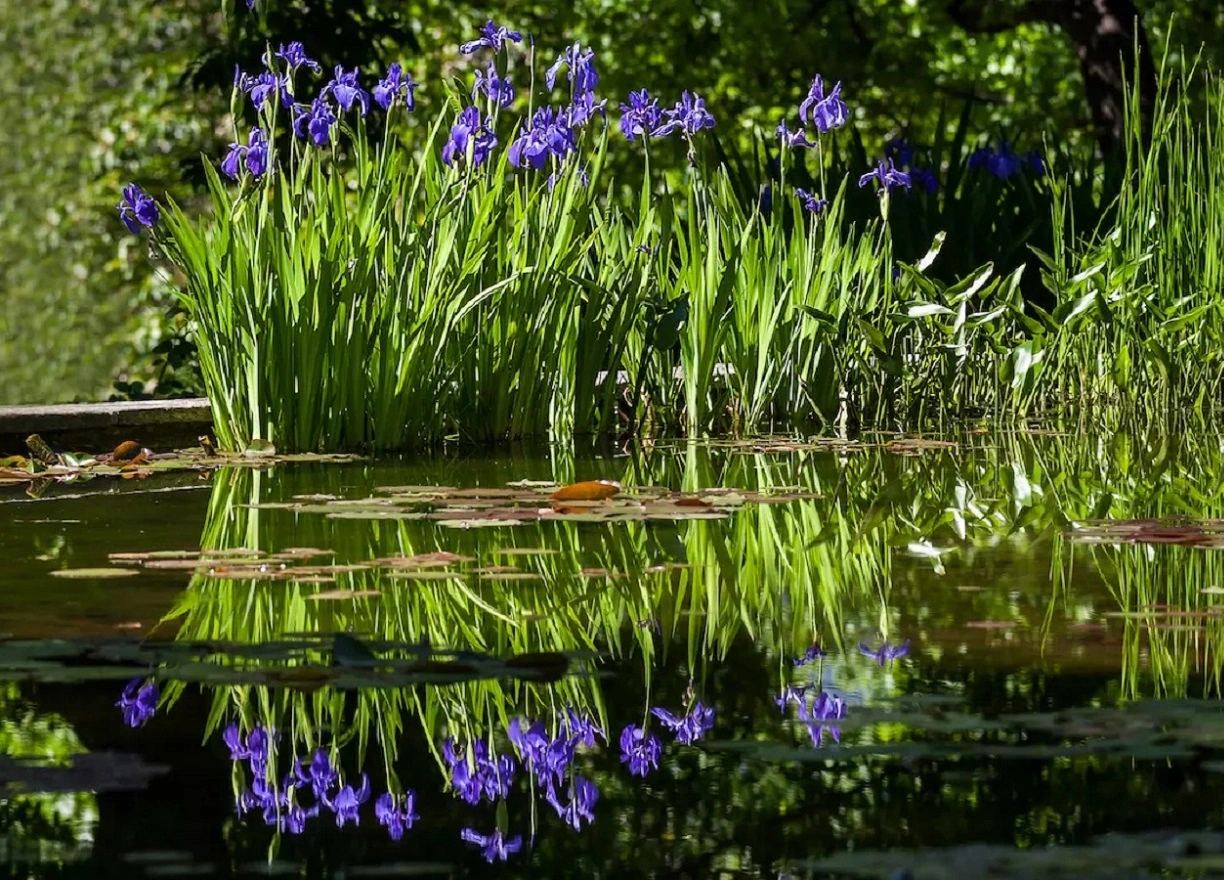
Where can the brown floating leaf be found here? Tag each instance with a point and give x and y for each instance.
(493, 569)
(422, 560)
(589, 490)
(148, 555)
(91, 573)
(338, 595)
(601, 572)
(511, 576)
(423, 575)
(40, 450)
(691, 501)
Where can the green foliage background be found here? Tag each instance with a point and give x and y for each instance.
(95, 94)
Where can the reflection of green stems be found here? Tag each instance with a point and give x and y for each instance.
(780, 574)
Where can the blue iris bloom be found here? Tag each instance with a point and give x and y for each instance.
(263, 86)
(494, 846)
(792, 138)
(493, 86)
(641, 117)
(397, 813)
(816, 206)
(345, 89)
(900, 151)
(640, 749)
(469, 133)
(824, 112)
(137, 209)
(254, 155)
(925, 178)
(689, 115)
(294, 54)
(395, 84)
(138, 703)
(493, 37)
(582, 73)
(315, 121)
(887, 175)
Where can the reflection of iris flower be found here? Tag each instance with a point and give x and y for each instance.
(138, 705)
(639, 749)
(811, 655)
(583, 794)
(495, 846)
(886, 653)
(690, 727)
(320, 775)
(348, 801)
(396, 812)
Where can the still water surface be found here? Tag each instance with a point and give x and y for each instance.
(867, 659)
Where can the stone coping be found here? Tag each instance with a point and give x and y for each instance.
(161, 425)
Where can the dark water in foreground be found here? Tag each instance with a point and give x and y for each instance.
(1054, 712)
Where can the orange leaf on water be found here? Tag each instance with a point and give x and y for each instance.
(589, 490)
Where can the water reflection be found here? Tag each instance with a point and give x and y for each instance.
(878, 649)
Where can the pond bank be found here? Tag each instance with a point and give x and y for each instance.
(158, 424)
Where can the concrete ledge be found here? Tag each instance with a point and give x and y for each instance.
(161, 425)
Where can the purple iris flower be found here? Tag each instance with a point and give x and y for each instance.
(888, 176)
(294, 54)
(544, 136)
(823, 111)
(690, 727)
(689, 115)
(396, 812)
(925, 178)
(469, 130)
(263, 86)
(583, 794)
(641, 117)
(348, 801)
(394, 85)
(293, 819)
(137, 209)
(1002, 161)
(1036, 161)
(492, 36)
(493, 86)
(792, 138)
(639, 749)
(319, 774)
(259, 750)
(816, 206)
(254, 155)
(886, 653)
(138, 705)
(346, 91)
(899, 150)
(315, 121)
(584, 106)
(495, 847)
(581, 66)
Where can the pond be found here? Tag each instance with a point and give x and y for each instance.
(990, 654)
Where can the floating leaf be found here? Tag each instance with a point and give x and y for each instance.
(91, 573)
(340, 595)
